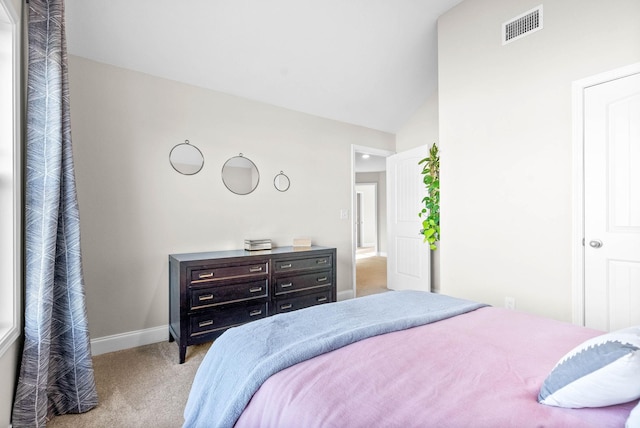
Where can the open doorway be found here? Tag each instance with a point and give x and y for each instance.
(369, 238)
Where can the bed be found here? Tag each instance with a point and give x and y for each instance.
(401, 359)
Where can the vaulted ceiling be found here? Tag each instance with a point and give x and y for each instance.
(365, 62)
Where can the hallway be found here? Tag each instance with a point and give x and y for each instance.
(371, 272)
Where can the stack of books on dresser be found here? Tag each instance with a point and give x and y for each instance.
(301, 242)
(257, 244)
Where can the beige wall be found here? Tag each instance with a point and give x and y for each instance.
(506, 141)
(135, 209)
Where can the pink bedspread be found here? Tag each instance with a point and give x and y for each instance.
(480, 369)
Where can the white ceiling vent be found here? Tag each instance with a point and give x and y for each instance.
(522, 25)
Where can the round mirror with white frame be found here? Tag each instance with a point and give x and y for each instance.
(186, 158)
(240, 175)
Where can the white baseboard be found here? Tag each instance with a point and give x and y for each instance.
(131, 339)
(382, 254)
(345, 295)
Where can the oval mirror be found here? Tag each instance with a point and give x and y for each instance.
(240, 175)
(281, 182)
(186, 159)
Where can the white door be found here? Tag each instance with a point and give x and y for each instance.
(408, 257)
(612, 204)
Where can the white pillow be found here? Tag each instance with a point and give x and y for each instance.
(602, 371)
(634, 418)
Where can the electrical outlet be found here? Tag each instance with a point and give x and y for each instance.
(509, 302)
(344, 214)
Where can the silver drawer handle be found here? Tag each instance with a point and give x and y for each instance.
(205, 323)
(321, 299)
(287, 285)
(205, 275)
(255, 313)
(324, 278)
(321, 261)
(287, 266)
(255, 269)
(205, 297)
(287, 306)
(255, 289)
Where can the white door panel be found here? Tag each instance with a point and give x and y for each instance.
(408, 258)
(612, 203)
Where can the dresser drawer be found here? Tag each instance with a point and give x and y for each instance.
(210, 292)
(288, 284)
(299, 302)
(286, 265)
(225, 272)
(212, 295)
(217, 319)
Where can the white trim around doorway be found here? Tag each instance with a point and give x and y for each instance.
(357, 149)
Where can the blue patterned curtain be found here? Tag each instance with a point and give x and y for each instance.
(56, 376)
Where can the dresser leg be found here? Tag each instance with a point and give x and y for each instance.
(171, 339)
(183, 353)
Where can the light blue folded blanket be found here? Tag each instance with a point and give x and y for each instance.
(242, 358)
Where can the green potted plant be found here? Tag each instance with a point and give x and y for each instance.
(430, 214)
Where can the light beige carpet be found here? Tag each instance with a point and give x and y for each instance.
(139, 387)
(146, 387)
(371, 275)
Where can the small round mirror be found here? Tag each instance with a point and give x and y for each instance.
(281, 182)
(186, 159)
(240, 175)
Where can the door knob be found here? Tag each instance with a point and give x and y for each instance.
(596, 243)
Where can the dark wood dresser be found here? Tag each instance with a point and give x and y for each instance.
(213, 291)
